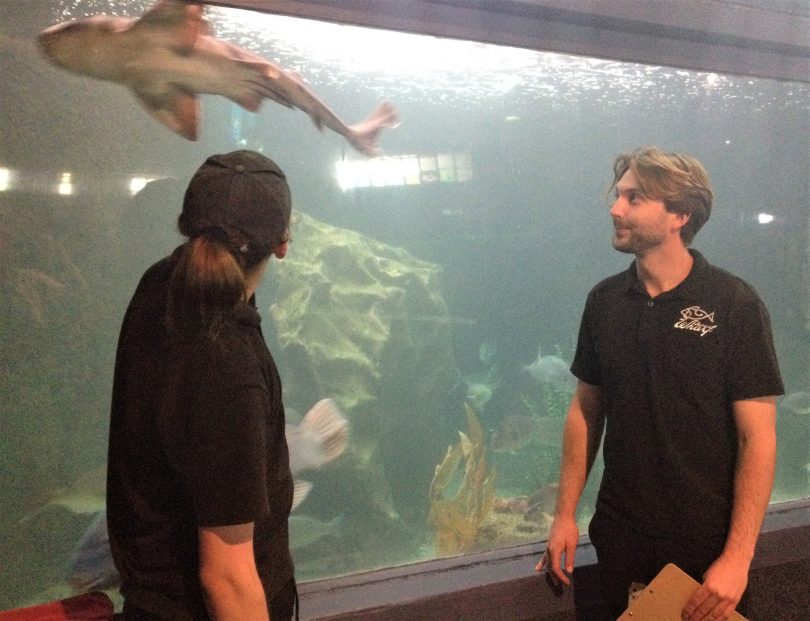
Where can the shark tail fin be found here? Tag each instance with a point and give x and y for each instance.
(365, 135)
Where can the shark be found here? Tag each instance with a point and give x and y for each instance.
(169, 56)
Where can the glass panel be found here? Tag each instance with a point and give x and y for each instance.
(449, 274)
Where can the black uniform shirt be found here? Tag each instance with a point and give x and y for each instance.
(196, 439)
(669, 369)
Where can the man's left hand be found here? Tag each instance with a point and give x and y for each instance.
(723, 585)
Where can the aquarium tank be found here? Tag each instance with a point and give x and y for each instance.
(434, 291)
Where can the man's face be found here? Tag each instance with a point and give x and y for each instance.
(640, 224)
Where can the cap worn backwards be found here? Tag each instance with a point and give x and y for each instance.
(241, 190)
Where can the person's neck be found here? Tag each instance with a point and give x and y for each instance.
(663, 269)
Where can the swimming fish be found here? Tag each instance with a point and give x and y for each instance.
(487, 352)
(169, 56)
(319, 438)
(305, 530)
(551, 370)
(514, 433)
(83, 496)
(796, 402)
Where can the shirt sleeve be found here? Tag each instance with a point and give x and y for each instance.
(222, 453)
(753, 370)
(586, 365)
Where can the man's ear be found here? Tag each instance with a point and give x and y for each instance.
(681, 219)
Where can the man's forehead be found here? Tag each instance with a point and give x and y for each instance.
(627, 181)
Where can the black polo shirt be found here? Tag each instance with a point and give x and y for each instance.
(670, 368)
(196, 439)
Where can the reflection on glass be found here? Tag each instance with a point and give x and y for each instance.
(444, 278)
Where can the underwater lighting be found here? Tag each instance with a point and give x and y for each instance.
(65, 187)
(136, 184)
(764, 218)
(5, 179)
(361, 49)
(403, 170)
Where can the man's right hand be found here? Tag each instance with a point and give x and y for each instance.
(560, 548)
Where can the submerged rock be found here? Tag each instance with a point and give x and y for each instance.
(366, 324)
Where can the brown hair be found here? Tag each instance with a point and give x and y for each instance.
(680, 181)
(209, 281)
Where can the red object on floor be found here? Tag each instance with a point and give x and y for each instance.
(94, 606)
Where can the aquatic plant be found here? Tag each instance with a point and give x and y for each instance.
(457, 519)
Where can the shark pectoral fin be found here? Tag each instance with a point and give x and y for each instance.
(184, 21)
(250, 101)
(178, 110)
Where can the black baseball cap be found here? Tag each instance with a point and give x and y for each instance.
(242, 190)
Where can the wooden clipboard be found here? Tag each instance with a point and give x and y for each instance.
(664, 598)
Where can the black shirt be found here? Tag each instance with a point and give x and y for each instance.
(196, 439)
(669, 369)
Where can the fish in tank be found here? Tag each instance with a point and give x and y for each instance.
(484, 223)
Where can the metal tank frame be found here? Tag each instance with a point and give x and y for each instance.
(707, 35)
(712, 35)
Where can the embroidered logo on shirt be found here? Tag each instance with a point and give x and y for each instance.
(696, 319)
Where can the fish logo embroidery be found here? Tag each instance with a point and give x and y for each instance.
(696, 319)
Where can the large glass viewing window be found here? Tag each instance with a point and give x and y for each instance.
(434, 292)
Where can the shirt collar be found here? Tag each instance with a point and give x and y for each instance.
(690, 286)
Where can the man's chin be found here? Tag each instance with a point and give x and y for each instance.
(622, 246)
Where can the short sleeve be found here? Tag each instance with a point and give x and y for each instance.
(752, 370)
(586, 364)
(219, 440)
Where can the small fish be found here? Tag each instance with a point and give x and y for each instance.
(542, 503)
(478, 395)
(514, 433)
(35, 287)
(481, 386)
(320, 437)
(551, 370)
(487, 352)
(796, 402)
(83, 496)
(169, 56)
(518, 504)
(306, 530)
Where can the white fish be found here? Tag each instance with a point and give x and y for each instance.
(318, 439)
(169, 56)
(305, 530)
(796, 402)
(551, 370)
(83, 496)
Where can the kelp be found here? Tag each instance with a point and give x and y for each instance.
(457, 519)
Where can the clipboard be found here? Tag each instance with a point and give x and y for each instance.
(664, 598)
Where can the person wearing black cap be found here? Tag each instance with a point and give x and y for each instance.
(199, 487)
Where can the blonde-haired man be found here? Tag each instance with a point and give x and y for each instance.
(676, 366)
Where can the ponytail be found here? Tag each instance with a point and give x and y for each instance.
(207, 284)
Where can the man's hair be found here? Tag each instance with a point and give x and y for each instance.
(680, 181)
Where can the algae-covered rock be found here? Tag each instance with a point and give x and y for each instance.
(366, 324)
